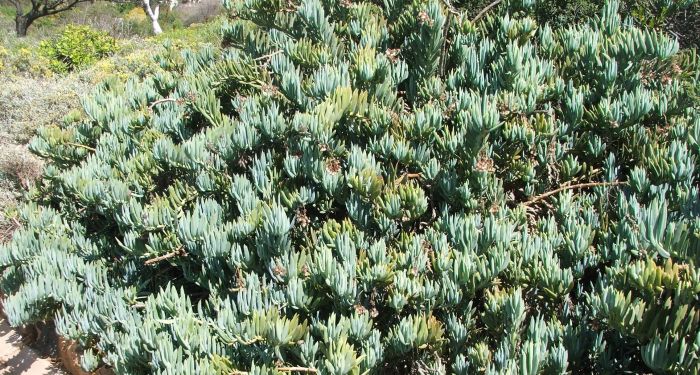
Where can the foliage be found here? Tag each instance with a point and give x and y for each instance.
(680, 18)
(685, 25)
(138, 20)
(203, 11)
(29, 63)
(77, 46)
(357, 188)
(193, 36)
(7, 11)
(560, 13)
(3, 57)
(27, 103)
(654, 13)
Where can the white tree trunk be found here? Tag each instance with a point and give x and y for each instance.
(153, 15)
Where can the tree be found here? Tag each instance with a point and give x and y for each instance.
(152, 9)
(39, 8)
(43, 8)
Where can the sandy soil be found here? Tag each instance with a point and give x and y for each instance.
(17, 358)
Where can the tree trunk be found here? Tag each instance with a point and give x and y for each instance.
(22, 23)
(156, 26)
(153, 15)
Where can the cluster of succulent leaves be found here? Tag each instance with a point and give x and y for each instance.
(377, 187)
(77, 46)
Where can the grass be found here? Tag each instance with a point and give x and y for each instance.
(7, 11)
(195, 34)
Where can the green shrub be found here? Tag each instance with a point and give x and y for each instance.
(138, 21)
(680, 18)
(351, 188)
(200, 12)
(3, 58)
(139, 62)
(193, 35)
(77, 46)
(7, 11)
(25, 61)
(27, 103)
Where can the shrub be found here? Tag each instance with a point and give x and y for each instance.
(198, 12)
(192, 36)
(18, 170)
(17, 164)
(26, 62)
(680, 18)
(27, 103)
(3, 58)
(7, 11)
(109, 17)
(351, 188)
(77, 46)
(136, 58)
(138, 21)
(685, 25)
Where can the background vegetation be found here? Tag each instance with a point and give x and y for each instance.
(44, 74)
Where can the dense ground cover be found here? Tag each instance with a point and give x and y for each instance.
(347, 187)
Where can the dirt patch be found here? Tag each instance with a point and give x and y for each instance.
(18, 358)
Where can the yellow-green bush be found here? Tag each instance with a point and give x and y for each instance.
(193, 35)
(3, 56)
(138, 21)
(139, 62)
(77, 46)
(27, 62)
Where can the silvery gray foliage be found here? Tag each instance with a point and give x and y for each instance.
(353, 188)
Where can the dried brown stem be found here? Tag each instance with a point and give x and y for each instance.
(298, 369)
(585, 185)
(179, 251)
(81, 146)
(450, 7)
(407, 175)
(485, 10)
(263, 57)
(164, 100)
(307, 370)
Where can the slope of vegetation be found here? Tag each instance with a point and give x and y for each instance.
(360, 187)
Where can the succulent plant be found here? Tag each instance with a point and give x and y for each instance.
(377, 187)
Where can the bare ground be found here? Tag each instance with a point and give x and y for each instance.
(17, 358)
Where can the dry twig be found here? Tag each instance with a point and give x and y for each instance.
(263, 57)
(407, 175)
(81, 146)
(164, 100)
(179, 251)
(585, 185)
(450, 7)
(307, 370)
(297, 369)
(485, 10)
